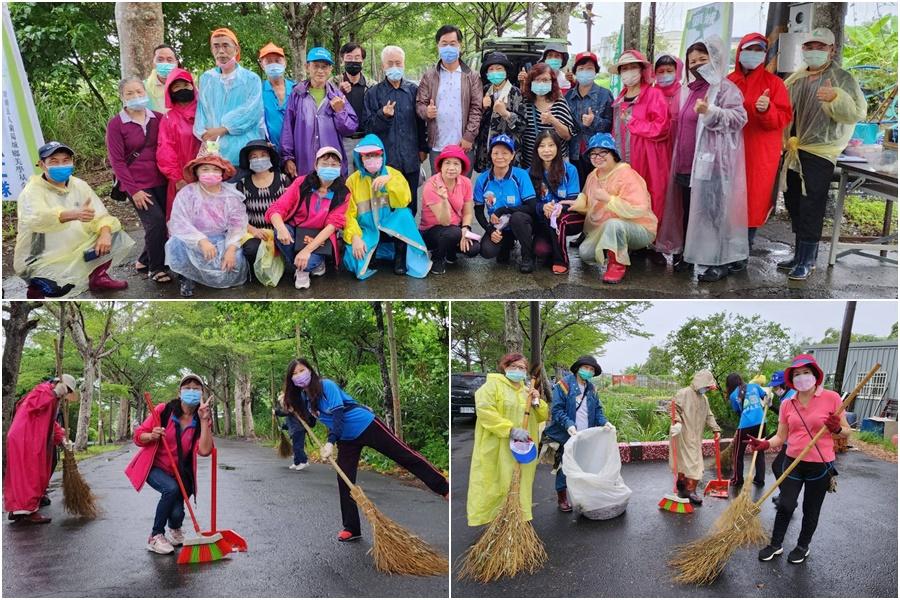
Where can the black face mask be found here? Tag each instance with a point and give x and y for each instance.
(353, 68)
(182, 95)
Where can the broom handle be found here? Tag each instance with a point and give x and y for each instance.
(719, 462)
(175, 468)
(673, 446)
(762, 427)
(316, 441)
(212, 491)
(819, 434)
(528, 407)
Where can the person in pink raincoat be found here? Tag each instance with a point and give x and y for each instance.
(641, 124)
(30, 444)
(187, 425)
(177, 144)
(668, 70)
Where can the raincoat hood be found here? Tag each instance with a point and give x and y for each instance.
(703, 378)
(370, 140)
(675, 87)
(750, 37)
(186, 111)
(718, 57)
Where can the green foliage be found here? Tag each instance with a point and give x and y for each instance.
(635, 413)
(870, 437)
(873, 44)
(867, 215)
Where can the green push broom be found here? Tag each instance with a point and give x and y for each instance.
(202, 548)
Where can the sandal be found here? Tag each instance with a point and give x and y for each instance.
(161, 277)
(141, 267)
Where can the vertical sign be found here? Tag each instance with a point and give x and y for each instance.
(706, 20)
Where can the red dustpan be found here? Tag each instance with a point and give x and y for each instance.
(238, 543)
(718, 487)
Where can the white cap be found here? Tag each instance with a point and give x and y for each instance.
(819, 34)
(69, 381)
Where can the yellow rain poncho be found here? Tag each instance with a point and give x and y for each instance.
(820, 128)
(49, 249)
(693, 412)
(499, 406)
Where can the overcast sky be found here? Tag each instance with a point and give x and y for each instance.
(804, 318)
(748, 17)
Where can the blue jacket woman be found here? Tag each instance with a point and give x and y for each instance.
(747, 399)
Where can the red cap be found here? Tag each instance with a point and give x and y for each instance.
(582, 56)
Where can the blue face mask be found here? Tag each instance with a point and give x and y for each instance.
(191, 397)
(554, 63)
(750, 59)
(665, 79)
(394, 73)
(138, 103)
(60, 173)
(585, 77)
(328, 173)
(585, 374)
(163, 69)
(541, 88)
(496, 77)
(515, 376)
(274, 70)
(448, 54)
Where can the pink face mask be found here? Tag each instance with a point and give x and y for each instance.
(804, 382)
(373, 165)
(210, 178)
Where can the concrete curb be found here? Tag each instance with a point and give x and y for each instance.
(639, 451)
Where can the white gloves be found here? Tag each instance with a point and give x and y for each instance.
(675, 429)
(327, 451)
(571, 431)
(517, 434)
(69, 445)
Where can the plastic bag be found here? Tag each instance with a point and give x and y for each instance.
(268, 266)
(593, 468)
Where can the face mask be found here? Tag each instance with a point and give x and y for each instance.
(190, 396)
(815, 58)
(373, 165)
(667, 79)
(274, 70)
(496, 77)
(229, 64)
(515, 376)
(448, 54)
(353, 68)
(750, 59)
(60, 173)
(183, 95)
(703, 390)
(585, 77)
(708, 73)
(554, 63)
(163, 69)
(394, 73)
(540, 88)
(138, 103)
(303, 379)
(631, 77)
(260, 165)
(778, 391)
(210, 178)
(804, 383)
(328, 173)
(585, 374)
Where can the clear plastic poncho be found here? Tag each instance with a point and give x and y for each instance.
(717, 224)
(52, 250)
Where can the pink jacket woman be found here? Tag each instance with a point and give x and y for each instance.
(672, 93)
(177, 144)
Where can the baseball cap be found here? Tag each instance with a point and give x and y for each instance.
(190, 377)
(585, 57)
(319, 53)
(271, 48)
(326, 150)
(505, 140)
(51, 148)
(819, 34)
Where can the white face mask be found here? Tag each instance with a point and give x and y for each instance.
(632, 77)
(815, 58)
(709, 74)
(750, 59)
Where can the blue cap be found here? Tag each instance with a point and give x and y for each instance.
(319, 53)
(603, 140)
(523, 452)
(777, 379)
(505, 140)
(51, 148)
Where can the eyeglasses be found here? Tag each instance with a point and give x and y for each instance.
(598, 154)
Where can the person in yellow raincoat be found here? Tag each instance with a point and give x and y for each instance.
(692, 416)
(500, 406)
(827, 105)
(66, 238)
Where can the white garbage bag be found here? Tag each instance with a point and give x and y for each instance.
(593, 471)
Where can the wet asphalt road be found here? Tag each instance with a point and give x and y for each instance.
(854, 551)
(289, 519)
(852, 277)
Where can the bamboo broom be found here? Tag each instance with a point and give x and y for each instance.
(509, 545)
(701, 561)
(395, 549)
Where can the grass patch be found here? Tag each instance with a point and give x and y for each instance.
(876, 440)
(9, 220)
(635, 412)
(867, 215)
(90, 451)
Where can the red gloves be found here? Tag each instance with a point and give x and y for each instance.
(758, 445)
(833, 423)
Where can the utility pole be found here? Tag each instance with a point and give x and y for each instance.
(632, 26)
(588, 15)
(844, 346)
(651, 33)
(535, 318)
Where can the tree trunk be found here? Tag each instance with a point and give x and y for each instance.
(140, 27)
(632, 26)
(239, 401)
(559, 13)
(86, 402)
(395, 384)
(15, 330)
(299, 18)
(226, 409)
(512, 333)
(468, 353)
(651, 34)
(529, 20)
(378, 350)
(832, 15)
(123, 419)
(244, 383)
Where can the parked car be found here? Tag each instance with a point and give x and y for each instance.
(522, 52)
(462, 393)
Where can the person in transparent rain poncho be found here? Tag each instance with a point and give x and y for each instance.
(705, 219)
(66, 239)
(206, 227)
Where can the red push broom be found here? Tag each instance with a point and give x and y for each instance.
(672, 502)
(202, 548)
(237, 542)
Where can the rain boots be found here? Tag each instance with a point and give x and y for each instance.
(787, 265)
(562, 501)
(615, 271)
(399, 258)
(691, 488)
(99, 280)
(806, 260)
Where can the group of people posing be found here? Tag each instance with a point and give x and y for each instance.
(803, 406)
(225, 170)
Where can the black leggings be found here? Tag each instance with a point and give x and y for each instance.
(521, 228)
(741, 437)
(570, 223)
(379, 437)
(814, 477)
(683, 180)
(443, 241)
(153, 220)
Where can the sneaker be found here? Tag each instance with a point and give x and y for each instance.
(300, 466)
(798, 555)
(159, 544)
(438, 267)
(176, 537)
(301, 280)
(292, 467)
(346, 536)
(318, 271)
(185, 287)
(35, 518)
(769, 552)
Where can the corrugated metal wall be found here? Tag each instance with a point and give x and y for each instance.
(860, 358)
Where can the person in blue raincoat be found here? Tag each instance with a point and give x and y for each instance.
(380, 224)
(748, 400)
(575, 406)
(229, 107)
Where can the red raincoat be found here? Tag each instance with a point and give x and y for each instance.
(29, 445)
(762, 134)
(177, 144)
